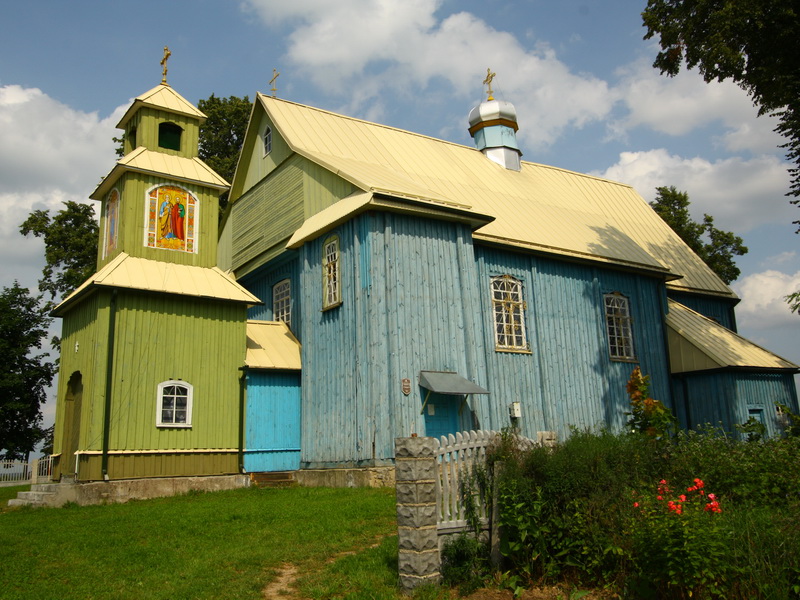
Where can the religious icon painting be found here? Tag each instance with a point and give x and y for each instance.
(172, 212)
(112, 221)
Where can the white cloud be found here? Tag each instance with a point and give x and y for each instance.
(49, 153)
(740, 194)
(763, 305)
(365, 49)
(46, 145)
(678, 106)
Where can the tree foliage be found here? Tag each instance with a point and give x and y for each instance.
(70, 246)
(755, 43)
(718, 252)
(222, 135)
(25, 375)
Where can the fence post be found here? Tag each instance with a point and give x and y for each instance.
(418, 544)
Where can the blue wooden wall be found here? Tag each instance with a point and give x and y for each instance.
(719, 309)
(261, 281)
(272, 421)
(409, 293)
(568, 380)
(415, 296)
(724, 398)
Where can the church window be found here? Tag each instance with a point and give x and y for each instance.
(508, 307)
(174, 404)
(267, 140)
(112, 222)
(172, 219)
(169, 136)
(282, 302)
(330, 273)
(619, 327)
(132, 137)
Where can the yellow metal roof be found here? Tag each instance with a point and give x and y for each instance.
(142, 160)
(130, 272)
(540, 208)
(163, 97)
(697, 343)
(270, 345)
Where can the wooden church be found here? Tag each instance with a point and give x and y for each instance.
(369, 283)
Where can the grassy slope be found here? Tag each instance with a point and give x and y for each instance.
(220, 545)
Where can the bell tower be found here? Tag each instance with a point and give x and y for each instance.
(160, 201)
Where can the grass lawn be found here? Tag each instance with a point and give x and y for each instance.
(214, 545)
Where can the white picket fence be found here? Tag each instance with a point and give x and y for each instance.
(18, 471)
(456, 455)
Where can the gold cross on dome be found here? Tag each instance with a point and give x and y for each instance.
(275, 75)
(167, 54)
(488, 81)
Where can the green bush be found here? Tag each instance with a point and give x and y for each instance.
(465, 563)
(567, 514)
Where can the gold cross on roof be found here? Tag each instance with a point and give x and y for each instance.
(275, 75)
(488, 81)
(167, 54)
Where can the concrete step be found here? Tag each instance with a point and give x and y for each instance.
(273, 479)
(21, 502)
(45, 487)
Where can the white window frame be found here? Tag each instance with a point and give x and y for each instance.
(508, 314)
(282, 302)
(331, 273)
(619, 327)
(267, 138)
(166, 391)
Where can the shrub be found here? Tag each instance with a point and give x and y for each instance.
(465, 563)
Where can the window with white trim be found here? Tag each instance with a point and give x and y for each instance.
(619, 326)
(267, 140)
(332, 295)
(508, 307)
(282, 302)
(174, 404)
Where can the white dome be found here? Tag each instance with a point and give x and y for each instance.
(492, 109)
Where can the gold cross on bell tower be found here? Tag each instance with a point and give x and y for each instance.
(488, 81)
(167, 54)
(275, 74)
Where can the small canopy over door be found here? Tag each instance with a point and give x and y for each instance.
(445, 401)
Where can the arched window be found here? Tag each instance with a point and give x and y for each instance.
(282, 302)
(508, 307)
(169, 136)
(174, 407)
(618, 327)
(332, 294)
(267, 140)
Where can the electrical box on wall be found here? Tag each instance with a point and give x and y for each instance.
(515, 410)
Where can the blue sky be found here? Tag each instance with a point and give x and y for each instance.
(578, 72)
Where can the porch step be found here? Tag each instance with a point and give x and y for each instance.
(273, 479)
(41, 494)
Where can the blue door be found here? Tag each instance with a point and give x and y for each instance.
(272, 422)
(441, 414)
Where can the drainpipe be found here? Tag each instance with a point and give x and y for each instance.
(112, 322)
(242, 393)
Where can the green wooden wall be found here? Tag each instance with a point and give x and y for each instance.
(133, 189)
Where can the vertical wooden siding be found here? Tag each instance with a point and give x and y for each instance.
(163, 337)
(83, 349)
(719, 309)
(403, 281)
(261, 282)
(568, 379)
(272, 434)
(133, 187)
